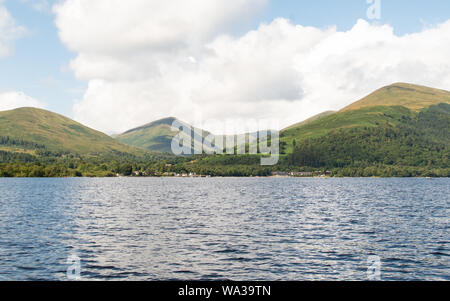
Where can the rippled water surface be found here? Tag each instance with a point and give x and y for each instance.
(224, 228)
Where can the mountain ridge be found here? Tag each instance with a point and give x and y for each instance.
(411, 96)
(391, 132)
(57, 132)
(33, 125)
(166, 121)
(158, 135)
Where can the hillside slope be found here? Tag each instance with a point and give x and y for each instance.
(413, 97)
(389, 105)
(157, 135)
(402, 138)
(29, 129)
(309, 120)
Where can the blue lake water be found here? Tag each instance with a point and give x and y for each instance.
(224, 228)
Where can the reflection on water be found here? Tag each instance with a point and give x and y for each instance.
(224, 228)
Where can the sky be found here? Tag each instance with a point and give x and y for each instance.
(114, 65)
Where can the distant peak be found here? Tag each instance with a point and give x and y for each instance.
(164, 121)
(32, 111)
(28, 109)
(401, 84)
(411, 96)
(168, 120)
(411, 87)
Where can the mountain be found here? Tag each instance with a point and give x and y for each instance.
(400, 130)
(395, 142)
(386, 105)
(309, 120)
(158, 135)
(398, 125)
(413, 97)
(30, 129)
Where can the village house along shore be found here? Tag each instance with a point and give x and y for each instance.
(275, 174)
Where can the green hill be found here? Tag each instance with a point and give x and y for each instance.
(399, 126)
(388, 105)
(377, 141)
(410, 96)
(157, 135)
(401, 142)
(399, 130)
(309, 120)
(26, 130)
(396, 131)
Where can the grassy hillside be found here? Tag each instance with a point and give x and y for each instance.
(386, 106)
(366, 117)
(420, 140)
(400, 136)
(410, 96)
(309, 120)
(400, 130)
(157, 135)
(27, 130)
(378, 141)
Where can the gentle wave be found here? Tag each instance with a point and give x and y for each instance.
(224, 228)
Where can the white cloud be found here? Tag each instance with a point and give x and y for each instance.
(9, 31)
(13, 100)
(150, 59)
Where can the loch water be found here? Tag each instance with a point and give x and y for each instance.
(225, 228)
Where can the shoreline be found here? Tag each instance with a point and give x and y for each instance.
(225, 177)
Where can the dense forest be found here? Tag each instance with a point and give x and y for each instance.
(415, 146)
(7, 141)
